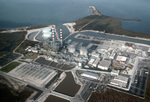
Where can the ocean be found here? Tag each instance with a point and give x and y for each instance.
(19, 13)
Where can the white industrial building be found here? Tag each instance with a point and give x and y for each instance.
(104, 64)
(83, 51)
(96, 62)
(71, 48)
(94, 54)
(47, 33)
(120, 81)
(91, 61)
(90, 75)
(115, 72)
(121, 58)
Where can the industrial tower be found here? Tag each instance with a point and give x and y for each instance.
(53, 37)
(61, 37)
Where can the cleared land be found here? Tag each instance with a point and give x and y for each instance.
(10, 67)
(68, 86)
(52, 98)
(107, 24)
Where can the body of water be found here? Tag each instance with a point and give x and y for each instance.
(114, 37)
(18, 13)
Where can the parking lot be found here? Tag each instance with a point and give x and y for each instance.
(53, 64)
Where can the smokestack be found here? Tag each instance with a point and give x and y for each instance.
(61, 36)
(53, 33)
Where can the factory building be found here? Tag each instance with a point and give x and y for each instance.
(47, 33)
(104, 64)
(91, 61)
(71, 48)
(46, 45)
(90, 75)
(121, 58)
(94, 54)
(148, 52)
(118, 65)
(83, 51)
(115, 72)
(120, 81)
(55, 46)
(96, 62)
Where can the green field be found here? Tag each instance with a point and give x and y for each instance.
(10, 67)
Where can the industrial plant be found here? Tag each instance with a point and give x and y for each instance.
(95, 63)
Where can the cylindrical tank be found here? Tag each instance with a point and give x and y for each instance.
(71, 48)
(83, 51)
(47, 33)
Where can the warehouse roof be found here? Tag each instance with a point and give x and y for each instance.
(121, 58)
(90, 75)
(105, 63)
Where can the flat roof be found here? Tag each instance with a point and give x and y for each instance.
(121, 78)
(121, 58)
(90, 74)
(105, 63)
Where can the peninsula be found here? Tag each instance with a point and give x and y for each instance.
(112, 25)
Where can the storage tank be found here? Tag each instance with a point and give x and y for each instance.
(47, 33)
(83, 51)
(71, 48)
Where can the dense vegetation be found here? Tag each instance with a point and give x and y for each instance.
(10, 67)
(9, 41)
(107, 24)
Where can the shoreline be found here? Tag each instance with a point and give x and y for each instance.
(116, 34)
(71, 29)
(96, 12)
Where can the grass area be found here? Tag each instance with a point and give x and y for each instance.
(9, 41)
(10, 67)
(24, 45)
(107, 24)
(31, 55)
